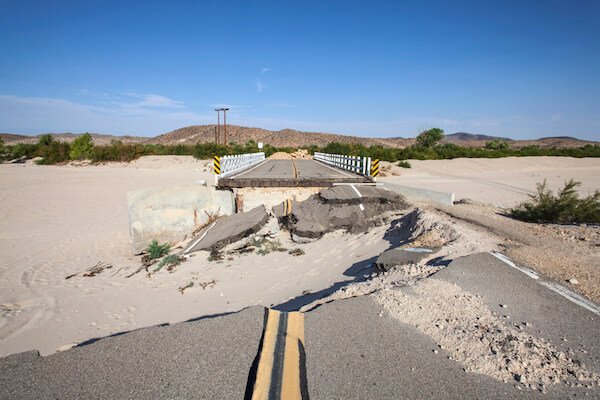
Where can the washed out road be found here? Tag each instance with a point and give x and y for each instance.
(354, 350)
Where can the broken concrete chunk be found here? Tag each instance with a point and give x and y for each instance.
(396, 257)
(354, 208)
(230, 229)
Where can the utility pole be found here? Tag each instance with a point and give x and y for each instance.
(225, 122)
(217, 133)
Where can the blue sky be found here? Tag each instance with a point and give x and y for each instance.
(522, 69)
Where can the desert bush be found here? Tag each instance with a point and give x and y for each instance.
(563, 208)
(155, 250)
(404, 164)
(430, 137)
(82, 148)
(52, 151)
(496, 144)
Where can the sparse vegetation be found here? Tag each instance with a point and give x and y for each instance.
(266, 246)
(429, 138)
(496, 144)
(404, 164)
(296, 252)
(427, 147)
(155, 250)
(170, 261)
(82, 148)
(563, 208)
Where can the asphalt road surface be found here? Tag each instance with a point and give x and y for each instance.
(286, 173)
(353, 351)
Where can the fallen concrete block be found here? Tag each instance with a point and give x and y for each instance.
(170, 213)
(397, 257)
(229, 230)
(352, 208)
(413, 193)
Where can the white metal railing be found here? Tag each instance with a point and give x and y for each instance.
(358, 165)
(227, 165)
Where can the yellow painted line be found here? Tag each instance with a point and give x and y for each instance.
(267, 353)
(290, 387)
(281, 371)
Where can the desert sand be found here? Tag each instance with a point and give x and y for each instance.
(56, 221)
(502, 181)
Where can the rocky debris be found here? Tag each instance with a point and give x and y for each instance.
(463, 325)
(397, 257)
(230, 229)
(354, 208)
(399, 276)
(423, 230)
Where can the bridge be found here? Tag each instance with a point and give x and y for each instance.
(254, 170)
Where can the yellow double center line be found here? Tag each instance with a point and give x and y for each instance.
(281, 371)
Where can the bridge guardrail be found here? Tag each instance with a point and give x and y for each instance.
(356, 164)
(227, 165)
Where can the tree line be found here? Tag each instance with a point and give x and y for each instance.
(427, 147)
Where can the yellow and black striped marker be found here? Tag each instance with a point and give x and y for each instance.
(281, 370)
(375, 168)
(287, 207)
(217, 165)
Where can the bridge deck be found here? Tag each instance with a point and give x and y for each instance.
(291, 173)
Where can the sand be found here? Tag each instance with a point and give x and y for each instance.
(56, 221)
(503, 181)
(61, 220)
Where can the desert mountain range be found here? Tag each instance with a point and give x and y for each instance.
(291, 138)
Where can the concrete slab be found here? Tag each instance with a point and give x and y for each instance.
(249, 198)
(397, 257)
(205, 359)
(230, 229)
(170, 213)
(342, 207)
(413, 193)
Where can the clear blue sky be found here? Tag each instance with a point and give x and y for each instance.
(522, 69)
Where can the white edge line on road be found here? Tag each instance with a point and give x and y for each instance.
(335, 169)
(555, 287)
(199, 239)
(572, 296)
(356, 190)
(253, 168)
(508, 262)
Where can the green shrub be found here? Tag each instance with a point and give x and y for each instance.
(496, 144)
(430, 138)
(404, 164)
(563, 208)
(82, 148)
(52, 151)
(155, 250)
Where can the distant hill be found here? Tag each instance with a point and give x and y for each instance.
(292, 138)
(282, 138)
(99, 139)
(464, 136)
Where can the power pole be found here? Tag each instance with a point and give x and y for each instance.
(225, 122)
(217, 134)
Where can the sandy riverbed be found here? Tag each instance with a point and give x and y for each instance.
(61, 220)
(503, 181)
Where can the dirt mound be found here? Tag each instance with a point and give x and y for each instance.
(280, 155)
